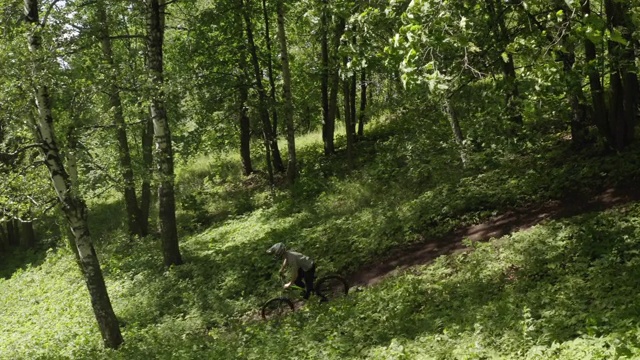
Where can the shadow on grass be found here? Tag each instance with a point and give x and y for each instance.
(571, 278)
(18, 258)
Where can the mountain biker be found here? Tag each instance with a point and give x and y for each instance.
(302, 268)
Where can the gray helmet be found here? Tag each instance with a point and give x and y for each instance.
(277, 249)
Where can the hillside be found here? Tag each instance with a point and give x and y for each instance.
(558, 289)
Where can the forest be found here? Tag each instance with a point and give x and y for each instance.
(469, 167)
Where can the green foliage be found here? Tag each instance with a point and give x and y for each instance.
(561, 289)
(565, 289)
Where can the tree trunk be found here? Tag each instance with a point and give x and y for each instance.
(27, 235)
(73, 207)
(17, 225)
(572, 80)
(270, 141)
(134, 214)
(623, 80)
(335, 83)
(162, 138)
(348, 115)
(243, 97)
(324, 79)
(363, 102)
(13, 233)
(353, 103)
(457, 130)
(245, 124)
(512, 93)
(147, 164)
(292, 166)
(597, 91)
(272, 83)
(4, 238)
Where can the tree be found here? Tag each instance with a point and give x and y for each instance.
(597, 91)
(243, 117)
(498, 24)
(271, 142)
(327, 122)
(362, 118)
(623, 80)
(134, 214)
(73, 207)
(270, 74)
(288, 98)
(334, 70)
(162, 137)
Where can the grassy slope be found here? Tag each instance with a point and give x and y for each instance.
(557, 291)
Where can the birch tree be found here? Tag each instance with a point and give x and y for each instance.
(73, 206)
(288, 98)
(134, 214)
(162, 137)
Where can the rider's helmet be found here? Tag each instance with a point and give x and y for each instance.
(277, 250)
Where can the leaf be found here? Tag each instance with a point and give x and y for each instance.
(505, 57)
(593, 35)
(463, 22)
(617, 36)
(429, 66)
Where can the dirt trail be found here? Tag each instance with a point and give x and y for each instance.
(496, 226)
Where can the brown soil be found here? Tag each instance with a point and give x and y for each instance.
(512, 221)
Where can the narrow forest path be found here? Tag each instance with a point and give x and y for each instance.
(496, 226)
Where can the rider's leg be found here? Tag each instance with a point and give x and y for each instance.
(298, 281)
(308, 279)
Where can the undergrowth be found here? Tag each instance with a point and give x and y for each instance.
(564, 289)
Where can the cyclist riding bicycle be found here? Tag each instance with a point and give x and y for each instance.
(302, 269)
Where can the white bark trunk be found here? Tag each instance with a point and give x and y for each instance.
(75, 210)
(292, 170)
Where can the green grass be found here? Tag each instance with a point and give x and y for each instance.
(564, 289)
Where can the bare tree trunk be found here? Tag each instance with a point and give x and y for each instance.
(324, 77)
(270, 141)
(245, 126)
(292, 166)
(27, 234)
(147, 163)
(126, 170)
(4, 238)
(457, 130)
(353, 103)
(348, 115)
(73, 207)
(162, 137)
(363, 102)
(243, 97)
(623, 80)
(272, 83)
(13, 233)
(597, 91)
(334, 66)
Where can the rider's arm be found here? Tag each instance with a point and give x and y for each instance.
(284, 266)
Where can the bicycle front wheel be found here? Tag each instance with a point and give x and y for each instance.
(276, 308)
(332, 287)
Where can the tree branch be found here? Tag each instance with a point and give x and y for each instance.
(46, 14)
(128, 36)
(9, 158)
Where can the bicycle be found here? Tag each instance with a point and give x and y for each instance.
(327, 287)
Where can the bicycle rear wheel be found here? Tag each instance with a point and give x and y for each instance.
(276, 307)
(332, 287)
